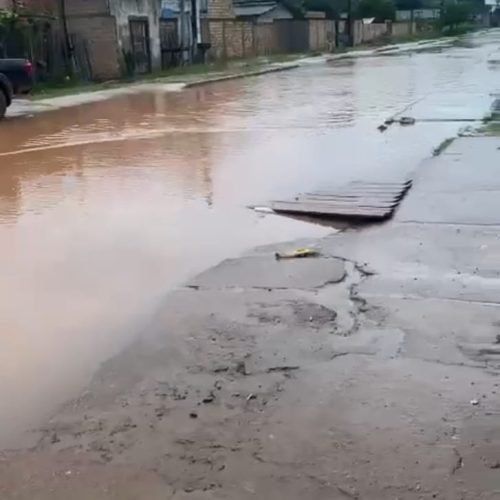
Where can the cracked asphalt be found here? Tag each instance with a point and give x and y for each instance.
(370, 372)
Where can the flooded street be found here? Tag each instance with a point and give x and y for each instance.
(106, 207)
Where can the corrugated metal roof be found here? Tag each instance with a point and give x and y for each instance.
(252, 10)
(255, 2)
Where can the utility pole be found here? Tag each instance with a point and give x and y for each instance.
(194, 30)
(182, 27)
(350, 41)
(70, 66)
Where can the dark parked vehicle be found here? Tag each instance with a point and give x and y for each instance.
(16, 78)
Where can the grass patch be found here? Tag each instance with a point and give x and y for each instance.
(437, 151)
(176, 74)
(180, 72)
(491, 128)
(60, 89)
(73, 86)
(417, 37)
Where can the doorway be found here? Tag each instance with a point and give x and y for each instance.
(139, 42)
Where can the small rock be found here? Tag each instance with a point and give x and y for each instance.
(474, 402)
(160, 412)
(264, 210)
(241, 368)
(54, 438)
(407, 120)
(209, 399)
(193, 414)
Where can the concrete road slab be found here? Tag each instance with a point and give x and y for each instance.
(267, 272)
(460, 186)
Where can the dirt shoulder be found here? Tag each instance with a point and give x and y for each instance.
(178, 79)
(75, 96)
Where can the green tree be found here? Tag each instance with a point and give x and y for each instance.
(331, 8)
(381, 10)
(8, 20)
(296, 7)
(454, 14)
(409, 4)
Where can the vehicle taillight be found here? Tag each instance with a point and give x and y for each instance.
(28, 67)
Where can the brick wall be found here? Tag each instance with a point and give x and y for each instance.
(230, 38)
(99, 35)
(36, 6)
(216, 37)
(104, 26)
(238, 39)
(90, 22)
(86, 7)
(220, 9)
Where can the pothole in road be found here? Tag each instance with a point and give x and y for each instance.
(304, 314)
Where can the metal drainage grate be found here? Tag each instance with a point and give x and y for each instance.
(358, 200)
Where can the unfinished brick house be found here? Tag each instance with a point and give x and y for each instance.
(117, 34)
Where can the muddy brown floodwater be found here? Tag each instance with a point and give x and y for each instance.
(107, 206)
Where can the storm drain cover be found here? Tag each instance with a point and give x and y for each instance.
(357, 200)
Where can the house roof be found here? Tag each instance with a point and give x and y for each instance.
(249, 3)
(253, 7)
(253, 10)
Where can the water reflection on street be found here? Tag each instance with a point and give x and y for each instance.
(105, 207)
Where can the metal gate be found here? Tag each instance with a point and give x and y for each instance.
(169, 42)
(292, 35)
(139, 41)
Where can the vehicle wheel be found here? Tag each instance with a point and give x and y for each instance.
(3, 104)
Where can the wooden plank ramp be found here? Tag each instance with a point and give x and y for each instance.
(358, 200)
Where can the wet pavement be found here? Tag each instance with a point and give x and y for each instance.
(107, 206)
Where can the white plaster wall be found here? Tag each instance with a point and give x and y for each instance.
(123, 10)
